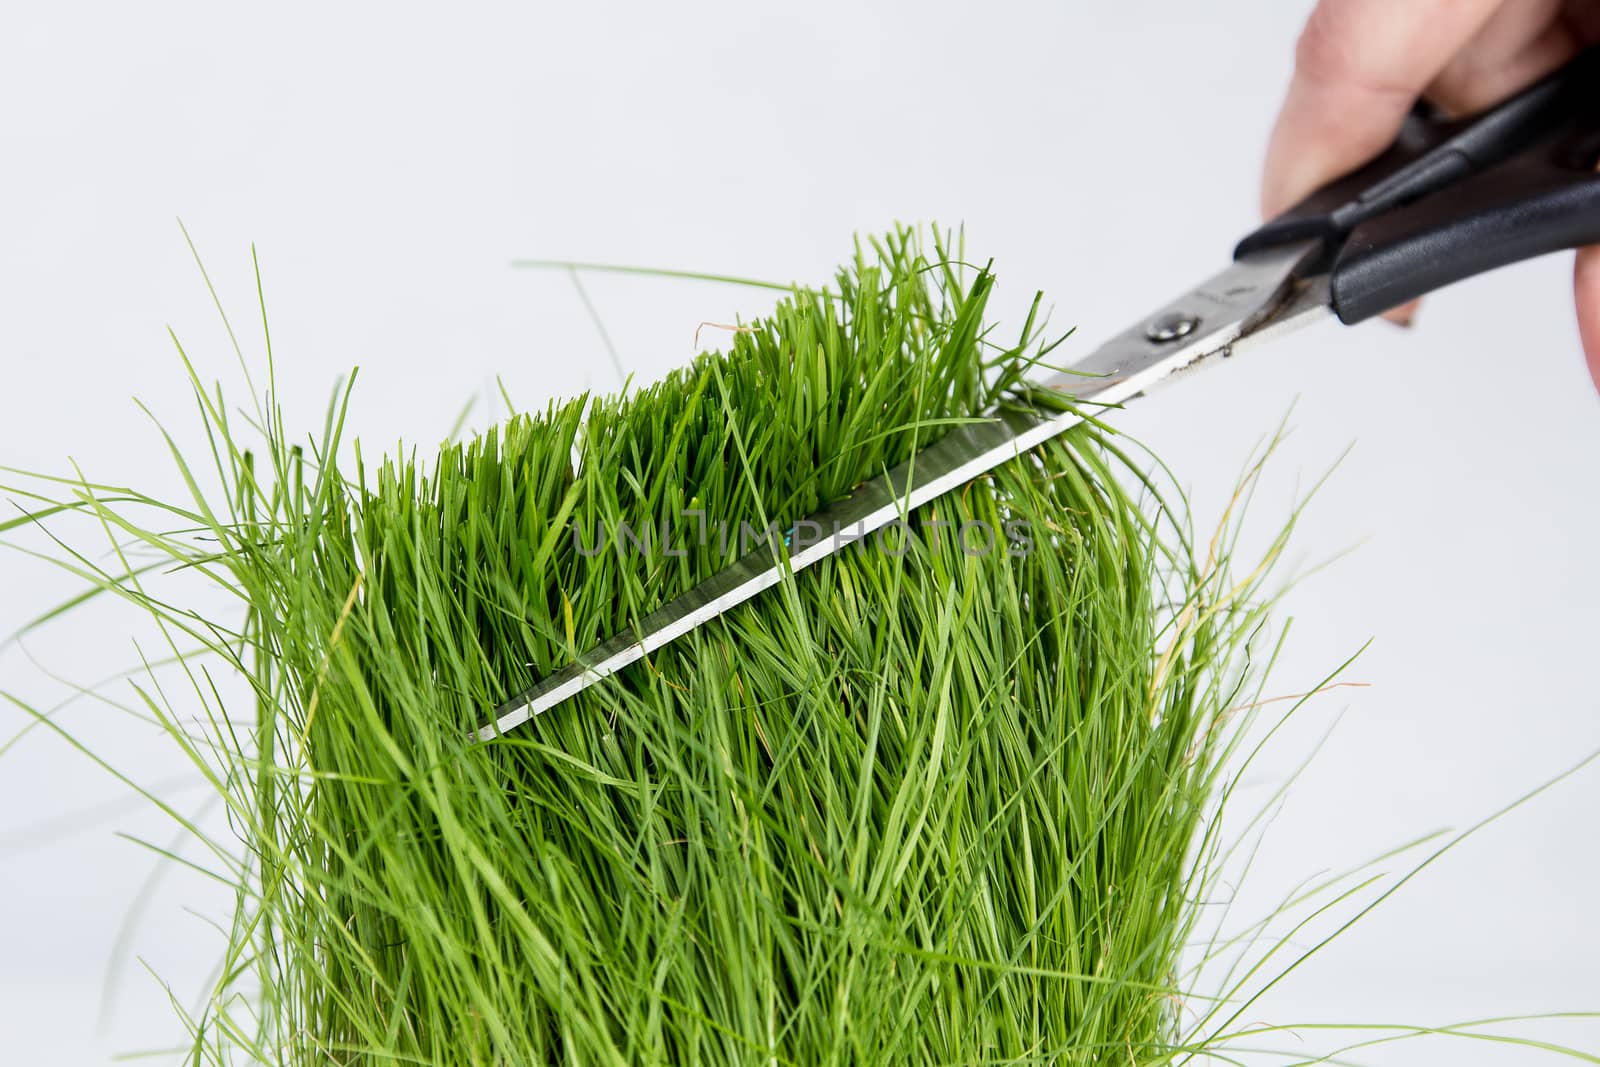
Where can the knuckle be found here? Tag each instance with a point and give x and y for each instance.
(1322, 52)
(1330, 52)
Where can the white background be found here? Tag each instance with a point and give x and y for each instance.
(388, 165)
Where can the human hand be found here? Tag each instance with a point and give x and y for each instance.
(1361, 64)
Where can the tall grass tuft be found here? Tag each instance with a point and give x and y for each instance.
(943, 798)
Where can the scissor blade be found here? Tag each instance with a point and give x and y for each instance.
(1201, 323)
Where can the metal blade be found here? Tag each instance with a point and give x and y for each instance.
(1201, 323)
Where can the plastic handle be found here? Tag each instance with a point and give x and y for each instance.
(1449, 200)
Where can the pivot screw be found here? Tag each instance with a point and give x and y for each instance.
(1171, 326)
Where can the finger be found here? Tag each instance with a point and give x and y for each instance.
(1359, 66)
(1586, 290)
(1405, 314)
(1518, 44)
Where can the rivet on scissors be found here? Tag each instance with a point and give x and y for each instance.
(1171, 326)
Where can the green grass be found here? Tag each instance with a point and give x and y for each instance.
(911, 807)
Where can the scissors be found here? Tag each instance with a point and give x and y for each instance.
(1449, 199)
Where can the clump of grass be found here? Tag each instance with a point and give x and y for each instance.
(919, 804)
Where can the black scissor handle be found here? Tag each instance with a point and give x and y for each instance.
(1452, 199)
